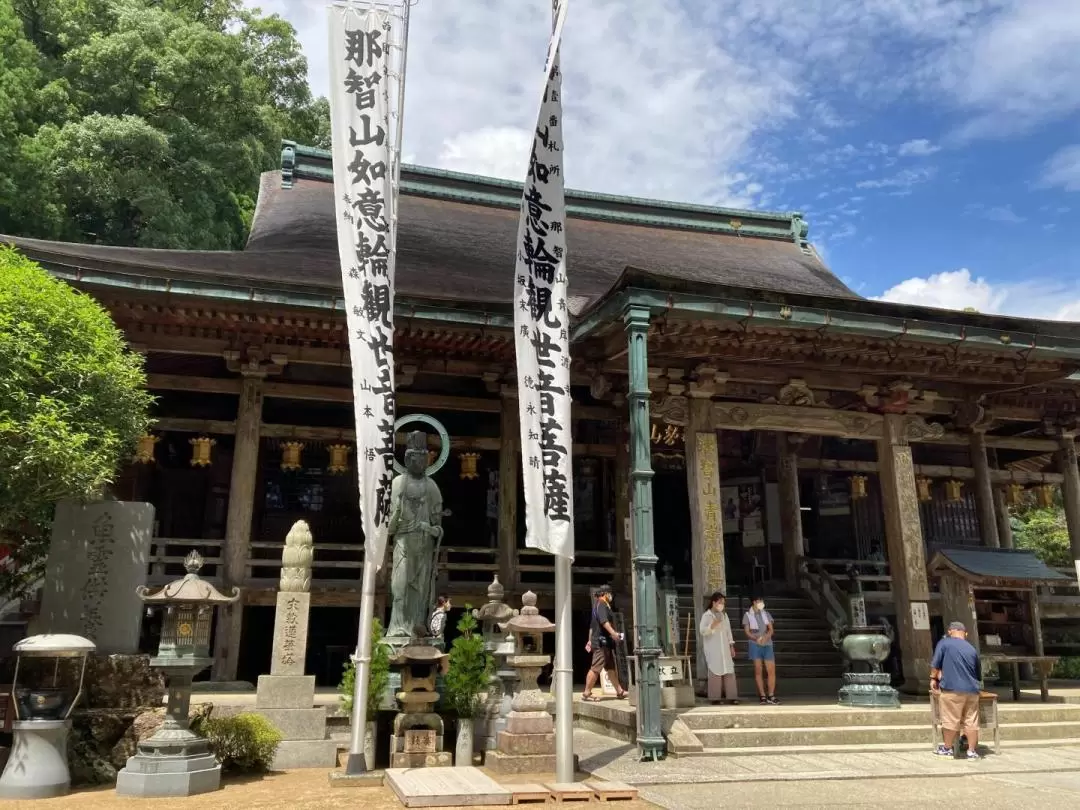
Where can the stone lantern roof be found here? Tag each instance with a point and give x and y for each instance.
(529, 619)
(191, 590)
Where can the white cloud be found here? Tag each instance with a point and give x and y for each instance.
(995, 213)
(1063, 170)
(690, 100)
(920, 147)
(904, 179)
(958, 290)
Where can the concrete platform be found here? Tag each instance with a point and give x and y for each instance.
(446, 787)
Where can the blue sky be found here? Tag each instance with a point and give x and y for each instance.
(933, 145)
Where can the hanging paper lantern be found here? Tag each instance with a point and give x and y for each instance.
(858, 487)
(1044, 494)
(468, 466)
(1014, 494)
(200, 451)
(922, 486)
(954, 490)
(144, 450)
(339, 458)
(290, 455)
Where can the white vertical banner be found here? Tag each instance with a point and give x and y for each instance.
(364, 164)
(542, 325)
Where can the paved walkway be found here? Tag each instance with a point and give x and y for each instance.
(610, 759)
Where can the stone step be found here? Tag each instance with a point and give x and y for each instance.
(866, 735)
(819, 656)
(986, 743)
(745, 669)
(813, 717)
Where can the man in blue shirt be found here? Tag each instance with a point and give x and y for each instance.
(955, 673)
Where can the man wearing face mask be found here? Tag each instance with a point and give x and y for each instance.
(758, 626)
(602, 640)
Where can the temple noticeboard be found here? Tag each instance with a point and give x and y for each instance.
(994, 593)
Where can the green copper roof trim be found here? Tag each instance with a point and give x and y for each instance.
(788, 224)
(293, 298)
(783, 316)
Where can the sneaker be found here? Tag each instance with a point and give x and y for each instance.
(942, 751)
(763, 700)
(772, 701)
(972, 754)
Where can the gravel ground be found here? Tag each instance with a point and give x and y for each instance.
(292, 790)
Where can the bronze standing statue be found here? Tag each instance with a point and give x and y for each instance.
(416, 528)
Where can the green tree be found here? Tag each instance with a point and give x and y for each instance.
(145, 122)
(470, 668)
(378, 677)
(72, 401)
(1045, 532)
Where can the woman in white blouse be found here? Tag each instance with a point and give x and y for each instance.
(719, 646)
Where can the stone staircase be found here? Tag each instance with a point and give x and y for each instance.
(828, 728)
(806, 661)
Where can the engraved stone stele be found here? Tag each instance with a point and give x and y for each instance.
(418, 724)
(98, 556)
(286, 697)
(499, 644)
(527, 745)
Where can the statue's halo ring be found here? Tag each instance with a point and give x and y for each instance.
(444, 440)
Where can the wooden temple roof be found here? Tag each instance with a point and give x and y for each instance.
(993, 566)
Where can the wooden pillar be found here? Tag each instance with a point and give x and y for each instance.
(650, 736)
(984, 491)
(1070, 493)
(790, 505)
(907, 552)
(237, 548)
(706, 514)
(509, 478)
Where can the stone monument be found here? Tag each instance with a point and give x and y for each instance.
(286, 697)
(417, 741)
(416, 529)
(528, 743)
(98, 556)
(493, 615)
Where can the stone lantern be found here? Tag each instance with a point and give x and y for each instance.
(493, 615)
(175, 761)
(528, 743)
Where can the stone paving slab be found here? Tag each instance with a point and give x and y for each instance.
(617, 761)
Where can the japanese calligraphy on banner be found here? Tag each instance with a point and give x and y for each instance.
(542, 324)
(363, 187)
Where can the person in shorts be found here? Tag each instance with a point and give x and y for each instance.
(955, 673)
(758, 626)
(602, 640)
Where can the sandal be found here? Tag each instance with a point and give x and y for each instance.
(622, 695)
(590, 698)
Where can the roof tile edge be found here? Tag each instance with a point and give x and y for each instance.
(313, 163)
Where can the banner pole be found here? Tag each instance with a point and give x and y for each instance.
(564, 675)
(355, 764)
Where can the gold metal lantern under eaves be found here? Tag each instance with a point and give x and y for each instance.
(200, 451)
(954, 490)
(922, 487)
(858, 487)
(468, 466)
(144, 449)
(290, 455)
(339, 458)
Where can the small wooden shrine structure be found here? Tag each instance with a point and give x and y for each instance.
(994, 593)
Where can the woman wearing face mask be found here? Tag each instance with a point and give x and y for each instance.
(758, 626)
(719, 646)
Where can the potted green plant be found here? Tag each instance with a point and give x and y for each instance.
(377, 682)
(467, 679)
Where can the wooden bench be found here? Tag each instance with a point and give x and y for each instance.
(1044, 663)
(572, 792)
(528, 793)
(612, 791)
(988, 718)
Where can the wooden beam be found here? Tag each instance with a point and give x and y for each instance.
(931, 471)
(328, 393)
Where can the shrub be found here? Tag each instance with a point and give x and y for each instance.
(470, 668)
(1044, 531)
(1067, 669)
(377, 680)
(244, 743)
